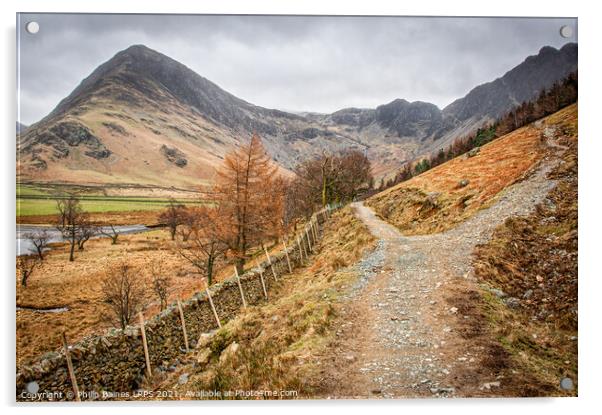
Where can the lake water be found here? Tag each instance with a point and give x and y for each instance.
(25, 247)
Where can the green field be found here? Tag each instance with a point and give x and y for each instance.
(33, 201)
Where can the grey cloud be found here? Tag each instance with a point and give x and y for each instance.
(304, 63)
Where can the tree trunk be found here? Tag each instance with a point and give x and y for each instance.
(71, 258)
(24, 276)
(209, 272)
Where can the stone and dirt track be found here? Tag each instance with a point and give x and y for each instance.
(399, 334)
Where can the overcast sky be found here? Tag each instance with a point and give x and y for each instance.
(295, 63)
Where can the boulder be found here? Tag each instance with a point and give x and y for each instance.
(203, 356)
(463, 183)
(498, 293)
(229, 352)
(473, 152)
(205, 339)
(512, 302)
(183, 379)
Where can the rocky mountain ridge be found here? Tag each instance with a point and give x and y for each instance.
(117, 124)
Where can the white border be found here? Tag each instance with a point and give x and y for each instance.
(590, 153)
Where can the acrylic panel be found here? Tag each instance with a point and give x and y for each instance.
(295, 207)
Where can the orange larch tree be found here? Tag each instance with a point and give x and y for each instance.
(249, 192)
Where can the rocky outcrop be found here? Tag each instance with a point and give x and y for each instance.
(64, 136)
(174, 156)
(116, 128)
(410, 119)
(356, 117)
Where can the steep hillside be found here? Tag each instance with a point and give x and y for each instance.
(407, 129)
(21, 128)
(441, 197)
(518, 85)
(531, 265)
(269, 347)
(139, 118)
(144, 118)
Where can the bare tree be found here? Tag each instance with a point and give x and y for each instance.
(123, 292)
(39, 240)
(161, 283)
(205, 243)
(188, 223)
(355, 175)
(111, 232)
(328, 179)
(85, 232)
(173, 216)
(69, 220)
(26, 265)
(299, 202)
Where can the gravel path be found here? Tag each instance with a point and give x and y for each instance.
(400, 338)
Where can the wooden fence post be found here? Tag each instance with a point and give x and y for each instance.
(145, 345)
(314, 226)
(183, 325)
(308, 240)
(265, 292)
(70, 369)
(242, 294)
(219, 324)
(270, 262)
(304, 245)
(288, 261)
(300, 252)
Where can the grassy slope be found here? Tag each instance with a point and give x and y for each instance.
(276, 340)
(434, 201)
(136, 148)
(534, 259)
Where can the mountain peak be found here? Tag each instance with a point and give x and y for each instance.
(571, 46)
(138, 48)
(140, 52)
(546, 50)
